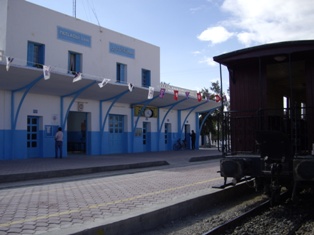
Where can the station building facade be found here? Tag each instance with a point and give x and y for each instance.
(101, 87)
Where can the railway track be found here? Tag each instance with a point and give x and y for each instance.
(226, 204)
(246, 214)
(221, 229)
(288, 218)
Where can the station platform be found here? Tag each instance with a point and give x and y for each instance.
(121, 204)
(79, 164)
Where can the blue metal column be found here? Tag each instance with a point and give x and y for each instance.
(102, 125)
(63, 118)
(192, 109)
(209, 113)
(197, 129)
(14, 117)
(146, 103)
(75, 94)
(164, 118)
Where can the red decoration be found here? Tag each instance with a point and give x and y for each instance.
(199, 96)
(217, 98)
(176, 94)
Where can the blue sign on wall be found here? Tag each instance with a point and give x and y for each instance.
(121, 50)
(74, 37)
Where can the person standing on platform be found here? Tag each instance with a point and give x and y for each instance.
(83, 130)
(193, 137)
(58, 142)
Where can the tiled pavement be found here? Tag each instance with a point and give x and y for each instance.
(74, 206)
(16, 170)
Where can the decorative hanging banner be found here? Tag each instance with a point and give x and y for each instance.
(187, 94)
(162, 92)
(208, 96)
(175, 94)
(150, 92)
(9, 61)
(104, 82)
(46, 72)
(77, 77)
(130, 85)
(199, 96)
(217, 98)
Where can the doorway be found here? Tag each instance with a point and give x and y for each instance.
(77, 130)
(117, 137)
(187, 136)
(33, 138)
(168, 136)
(146, 137)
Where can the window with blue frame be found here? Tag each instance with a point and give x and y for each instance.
(35, 54)
(146, 78)
(166, 132)
(116, 123)
(75, 62)
(121, 73)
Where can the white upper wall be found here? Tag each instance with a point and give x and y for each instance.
(3, 26)
(29, 22)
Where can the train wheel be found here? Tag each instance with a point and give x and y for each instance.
(274, 193)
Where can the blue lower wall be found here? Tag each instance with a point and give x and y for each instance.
(14, 144)
(6, 144)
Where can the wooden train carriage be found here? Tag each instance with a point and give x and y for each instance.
(271, 89)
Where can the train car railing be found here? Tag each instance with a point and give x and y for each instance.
(238, 129)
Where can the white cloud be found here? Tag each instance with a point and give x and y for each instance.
(209, 61)
(196, 9)
(215, 35)
(256, 22)
(196, 52)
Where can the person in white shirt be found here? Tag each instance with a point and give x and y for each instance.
(58, 142)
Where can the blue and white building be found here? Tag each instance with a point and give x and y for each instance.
(59, 71)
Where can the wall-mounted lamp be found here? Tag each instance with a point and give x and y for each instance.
(104, 82)
(280, 58)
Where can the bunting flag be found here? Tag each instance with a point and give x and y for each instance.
(208, 96)
(9, 61)
(217, 98)
(175, 94)
(199, 96)
(46, 72)
(162, 92)
(150, 92)
(130, 85)
(187, 94)
(77, 77)
(104, 82)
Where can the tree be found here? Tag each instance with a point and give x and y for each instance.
(210, 127)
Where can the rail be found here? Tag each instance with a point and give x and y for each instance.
(258, 209)
(221, 229)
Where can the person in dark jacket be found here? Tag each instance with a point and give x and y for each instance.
(193, 137)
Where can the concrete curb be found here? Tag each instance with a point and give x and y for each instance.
(79, 171)
(204, 158)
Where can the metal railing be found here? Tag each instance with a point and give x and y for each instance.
(238, 129)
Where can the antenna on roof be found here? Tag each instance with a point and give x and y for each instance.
(74, 8)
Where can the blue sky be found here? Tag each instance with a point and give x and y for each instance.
(191, 32)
